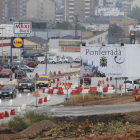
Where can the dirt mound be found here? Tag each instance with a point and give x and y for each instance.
(129, 135)
(31, 131)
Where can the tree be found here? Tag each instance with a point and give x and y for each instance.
(135, 13)
(67, 26)
(116, 31)
(62, 25)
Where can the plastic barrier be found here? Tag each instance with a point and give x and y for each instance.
(60, 92)
(50, 91)
(120, 87)
(105, 89)
(80, 89)
(113, 86)
(54, 73)
(6, 114)
(58, 79)
(107, 85)
(55, 91)
(73, 92)
(59, 72)
(36, 75)
(48, 97)
(55, 88)
(93, 89)
(23, 107)
(45, 99)
(1, 115)
(53, 80)
(135, 91)
(12, 112)
(107, 79)
(60, 88)
(40, 101)
(110, 78)
(69, 77)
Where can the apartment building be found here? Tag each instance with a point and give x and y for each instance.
(82, 8)
(12, 9)
(41, 9)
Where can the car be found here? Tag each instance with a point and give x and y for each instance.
(5, 66)
(8, 91)
(86, 80)
(41, 59)
(25, 68)
(52, 60)
(6, 73)
(13, 68)
(131, 84)
(19, 74)
(1, 68)
(31, 64)
(26, 83)
(65, 60)
(77, 60)
(59, 60)
(43, 81)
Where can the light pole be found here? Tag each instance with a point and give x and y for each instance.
(2, 43)
(46, 49)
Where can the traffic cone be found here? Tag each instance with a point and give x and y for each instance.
(107, 79)
(110, 78)
(45, 99)
(12, 112)
(6, 114)
(53, 80)
(40, 101)
(68, 77)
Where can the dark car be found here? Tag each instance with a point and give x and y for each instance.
(19, 74)
(5, 66)
(27, 83)
(14, 68)
(6, 73)
(86, 80)
(31, 64)
(8, 91)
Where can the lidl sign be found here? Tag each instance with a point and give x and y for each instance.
(17, 42)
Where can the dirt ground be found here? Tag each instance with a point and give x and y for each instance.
(127, 99)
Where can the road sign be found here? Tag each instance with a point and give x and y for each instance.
(36, 94)
(67, 87)
(22, 28)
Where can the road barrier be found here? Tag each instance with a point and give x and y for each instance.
(40, 101)
(12, 112)
(6, 114)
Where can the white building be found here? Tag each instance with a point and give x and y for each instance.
(107, 11)
(71, 47)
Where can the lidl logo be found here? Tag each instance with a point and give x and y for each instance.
(17, 42)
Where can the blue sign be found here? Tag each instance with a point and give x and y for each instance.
(118, 4)
(17, 42)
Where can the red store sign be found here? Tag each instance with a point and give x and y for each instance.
(70, 49)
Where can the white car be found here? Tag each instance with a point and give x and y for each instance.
(77, 60)
(65, 60)
(131, 84)
(52, 60)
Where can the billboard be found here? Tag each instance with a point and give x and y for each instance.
(110, 61)
(22, 28)
(99, 61)
(118, 5)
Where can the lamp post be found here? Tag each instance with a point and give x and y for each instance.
(2, 43)
(46, 49)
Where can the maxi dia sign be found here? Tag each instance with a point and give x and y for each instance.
(17, 42)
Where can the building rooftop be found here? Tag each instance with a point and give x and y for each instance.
(104, 19)
(37, 40)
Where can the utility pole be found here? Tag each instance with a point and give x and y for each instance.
(76, 21)
(46, 49)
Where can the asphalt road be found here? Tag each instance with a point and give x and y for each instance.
(85, 111)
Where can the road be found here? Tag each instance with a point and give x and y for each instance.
(86, 111)
(26, 97)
